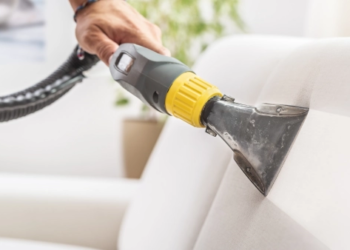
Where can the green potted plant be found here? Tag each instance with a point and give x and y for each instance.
(188, 27)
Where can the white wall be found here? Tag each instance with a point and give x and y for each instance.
(310, 18)
(328, 18)
(275, 17)
(78, 135)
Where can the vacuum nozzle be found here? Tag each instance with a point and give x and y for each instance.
(260, 137)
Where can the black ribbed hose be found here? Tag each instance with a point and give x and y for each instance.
(48, 90)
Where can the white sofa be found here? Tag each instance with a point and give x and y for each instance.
(192, 194)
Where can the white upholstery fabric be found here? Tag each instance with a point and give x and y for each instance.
(176, 192)
(308, 206)
(315, 75)
(241, 65)
(74, 211)
(241, 218)
(11, 244)
(313, 186)
(187, 165)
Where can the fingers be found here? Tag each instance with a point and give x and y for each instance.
(105, 25)
(104, 48)
(155, 47)
(155, 43)
(94, 41)
(151, 42)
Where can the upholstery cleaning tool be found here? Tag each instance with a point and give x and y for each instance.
(260, 137)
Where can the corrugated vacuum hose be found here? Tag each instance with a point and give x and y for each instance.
(48, 90)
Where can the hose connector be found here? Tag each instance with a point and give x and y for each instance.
(187, 97)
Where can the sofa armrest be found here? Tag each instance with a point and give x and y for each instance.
(77, 211)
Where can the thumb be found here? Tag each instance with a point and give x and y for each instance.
(104, 48)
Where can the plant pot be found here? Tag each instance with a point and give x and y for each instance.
(139, 138)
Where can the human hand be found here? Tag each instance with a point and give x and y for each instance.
(105, 24)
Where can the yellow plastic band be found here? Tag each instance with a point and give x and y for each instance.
(187, 96)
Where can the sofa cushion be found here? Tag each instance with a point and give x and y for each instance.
(14, 244)
(69, 210)
(313, 187)
(307, 208)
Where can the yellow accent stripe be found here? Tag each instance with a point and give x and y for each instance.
(187, 96)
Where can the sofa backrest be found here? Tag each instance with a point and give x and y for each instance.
(194, 196)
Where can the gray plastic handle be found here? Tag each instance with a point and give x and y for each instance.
(145, 73)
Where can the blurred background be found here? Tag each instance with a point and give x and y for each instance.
(96, 129)
(22, 26)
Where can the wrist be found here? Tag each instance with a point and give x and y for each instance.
(82, 7)
(76, 3)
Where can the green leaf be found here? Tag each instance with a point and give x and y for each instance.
(122, 102)
(183, 25)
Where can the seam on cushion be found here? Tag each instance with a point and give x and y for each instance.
(212, 202)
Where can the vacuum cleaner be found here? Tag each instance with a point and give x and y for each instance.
(260, 137)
